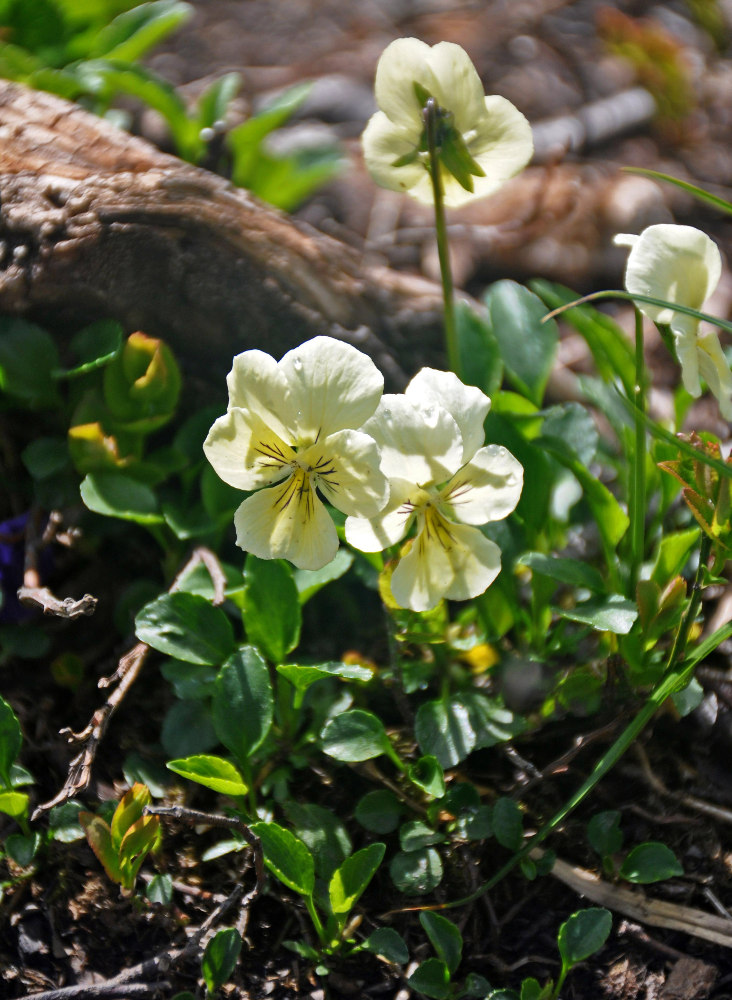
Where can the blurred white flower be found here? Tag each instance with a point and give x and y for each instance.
(439, 476)
(681, 264)
(291, 426)
(483, 141)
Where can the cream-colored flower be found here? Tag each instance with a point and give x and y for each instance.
(292, 427)
(681, 264)
(483, 140)
(441, 478)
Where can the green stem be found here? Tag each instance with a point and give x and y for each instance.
(317, 923)
(638, 472)
(672, 680)
(443, 246)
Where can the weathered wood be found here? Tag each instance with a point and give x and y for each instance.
(96, 223)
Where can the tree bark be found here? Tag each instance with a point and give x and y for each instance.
(95, 223)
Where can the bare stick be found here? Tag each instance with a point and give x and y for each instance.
(67, 607)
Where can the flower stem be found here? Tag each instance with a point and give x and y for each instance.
(443, 247)
(637, 503)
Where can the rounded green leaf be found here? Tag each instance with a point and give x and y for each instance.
(432, 979)
(10, 741)
(415, 835)
(650, 862)
(443, 731)
(302, 676)
(355, 736)
(445, 937)
(287, 857)
(114, 494)
(426, 773)
(271, 607)
(604, 833)
(243, 702)
(527, 344)
(417, 872)
(508, 824)
(220, 957)
(187, 627)
(379, 811)
(388, 943)
(584, 933)
(212, 772)
(350, 880)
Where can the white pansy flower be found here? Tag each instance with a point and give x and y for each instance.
(483, 141)
(681, 264)
(441, 478)
(292, 427)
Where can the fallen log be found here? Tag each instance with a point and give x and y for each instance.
(96, 223)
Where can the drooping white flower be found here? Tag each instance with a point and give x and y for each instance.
(681, 264)
(441, 478)
(292, 427)
(483, 140)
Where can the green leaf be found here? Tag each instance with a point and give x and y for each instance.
(28, 359)
(139, 839)
(134, 32)
(490, 720)
(187, 729)
(673, 553)
(388, 943)
(688, 698)
(573, 424)
(443, 730)
(63, 822)
(213, 104)
(479, 356)
(302, 676)
(584, 933)
(650, 862)
(528, 346)
(191, 681)
(14, 804)
(160, 890)
(322, 832)
(114, 494)
(570, 571)
(445, 937)
(100, 840)
(310, 581)
(128, 812)
(212, 772)
(287, 857)
(613, 613)
(416, 872)
(243, 703)
(355, 736)
(46, 456)
(431, 978)
(220, 957)
(271, 607)
(186, 627)
(379, 811)
(508, 824)
(11, 740)
(350, 880)
(21, 848)
(604, 833)
(416, 834)
(426, 773)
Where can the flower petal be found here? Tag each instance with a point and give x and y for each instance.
(475, 561)
(256, 383)
(347, 473)
(675, 263)
(466, 404)
(403, 63)
(486, 489)
(423, 575)
(501, 142)
(332, 386)
(715, 371)
(421, 443)
(458, 86)
(390, 525)
(384, 144)
(287, 521)
(245, 452)
(686, 352)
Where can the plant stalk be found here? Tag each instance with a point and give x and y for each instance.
(638, 471)
(443, 246)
